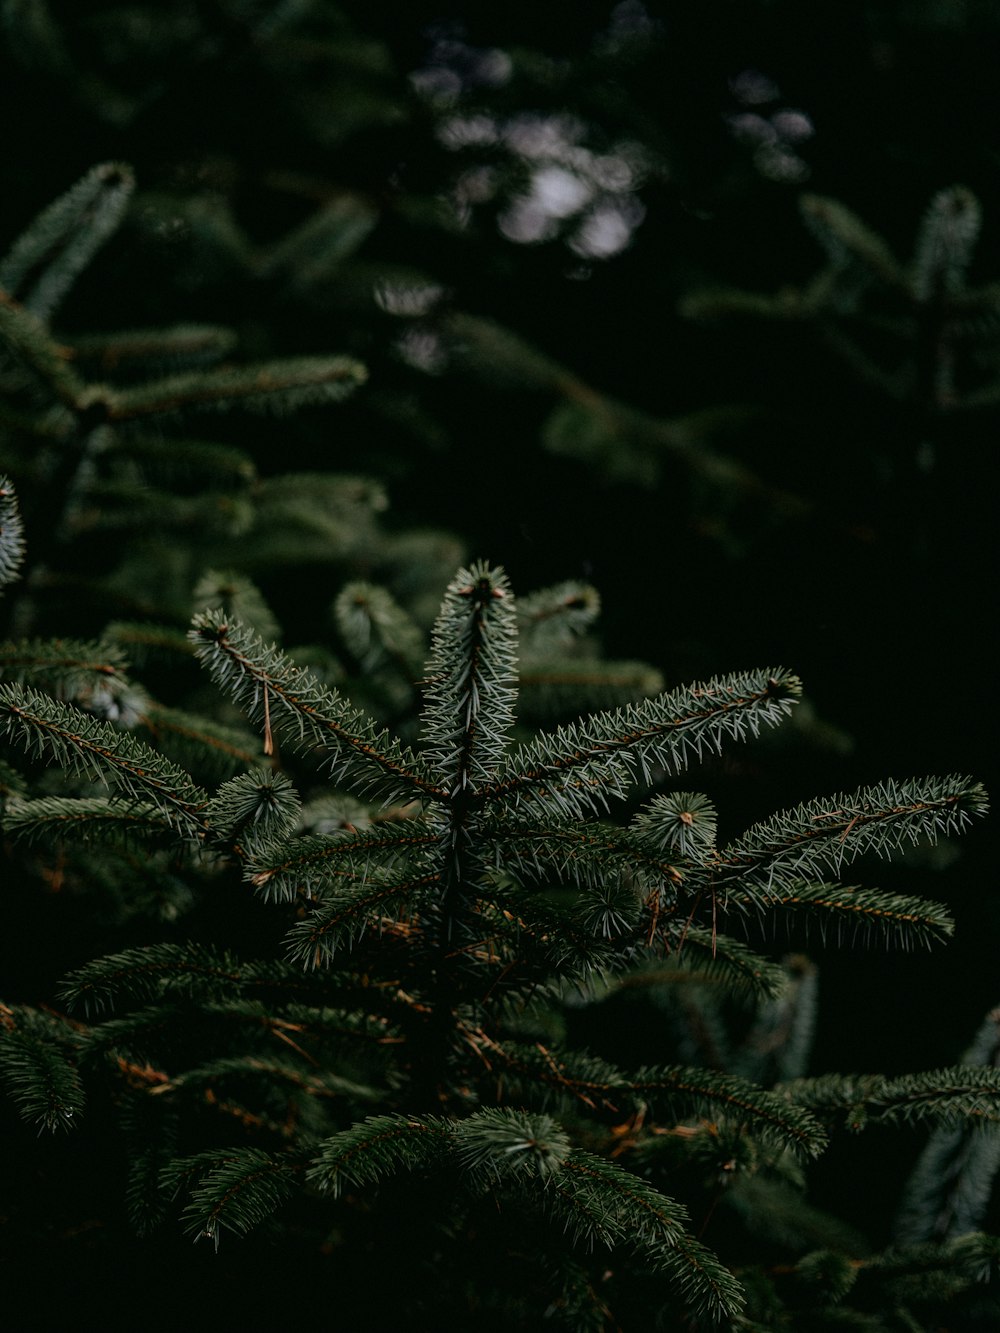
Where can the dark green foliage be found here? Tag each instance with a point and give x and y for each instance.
(418, 1032)
(918, 332)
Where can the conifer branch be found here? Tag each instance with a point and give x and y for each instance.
(88, 818)
(828, 832)
(376, 629)
(942, 1096)
(28, 339)
(666, 1091)
(212, 748)
(949, 1190)
(580, 853)
(471, 682)
(253, 810)
(550, 688)
(846, 239)
(841, 908)
(310, 865)
(546, 937)
(599, 1201)
(275, 386)
(305, 712)
(37, 1067)
(712, 955)
(45, 260)
(82, 744)
(550, 619)
(147, 973)
(197, 344)
(378, 1147)
(235, 1189)
(346, 913)
(579, 767)
(500, 1147)
(73, 667)
(11, 534)
(311, 1082)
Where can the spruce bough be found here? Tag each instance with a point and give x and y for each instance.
(415, 1032)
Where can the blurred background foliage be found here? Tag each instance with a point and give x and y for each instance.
(631, 285)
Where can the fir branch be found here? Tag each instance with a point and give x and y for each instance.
(765, 1113)
(378, 1147)
(149, 972)
(144, 640)
(679, 823)
(673, 1090)
(89, 818)
(236, 1188)
(274, 386)
(84, 745)
(958, 1094)
(547, 689)
(11, 534)
(173, 460)
(346, 913)
(29, 340)
(211, 748)
(194, 344)
(710, 954)
(253, 810)
(559, 1076)
(37, 1067)
(500, 1146)
(46, 259)
(948, 235)
(846, 239)
(376, 629)
(71, 667)
(827, 832)
(150, 1129)
(963, 1092)
(542, 937)
(949, 1190)
(578, 853)
(581, 766)
(550, 619)
(311, 1082)
(291, 703)
(471, 683)
(936, 1271)
(897, 917)
(311, 865)
(599, 1201)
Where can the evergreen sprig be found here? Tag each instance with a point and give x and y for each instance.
(11, 533)
(45, 260)
(39, 1068)
(579, 768)
(291, 704)
(81, 744)
(232, 1190)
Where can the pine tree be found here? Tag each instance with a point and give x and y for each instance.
(410, 1046)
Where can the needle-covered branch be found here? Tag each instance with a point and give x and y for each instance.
(290, 704)
(581, 767)
(831, 831)
(471, 684)
(73, 740)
